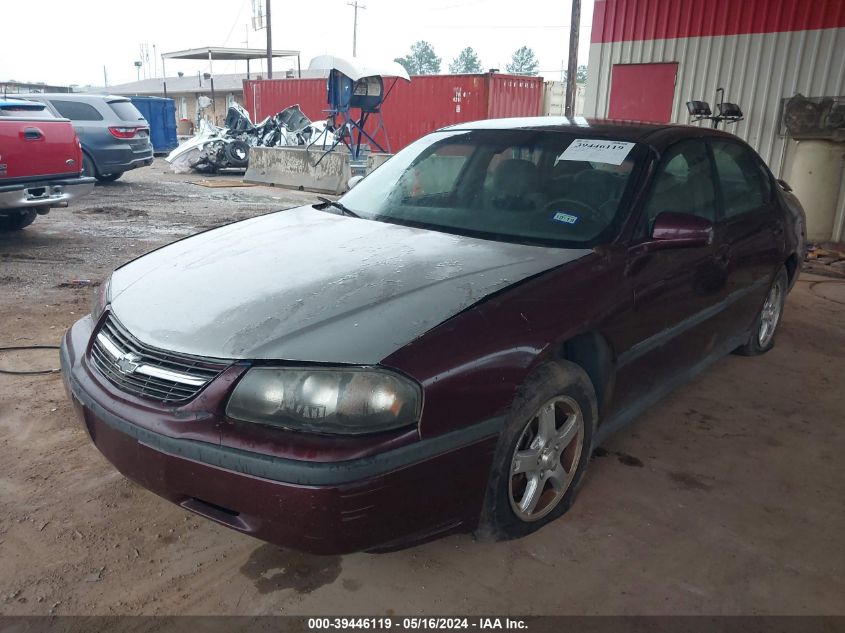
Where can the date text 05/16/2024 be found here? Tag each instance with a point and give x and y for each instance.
(416, 623)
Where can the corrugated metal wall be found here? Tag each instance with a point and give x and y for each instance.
(756, 69)
(263, 98)
(412, 109)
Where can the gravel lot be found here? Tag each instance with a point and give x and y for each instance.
(727, 498)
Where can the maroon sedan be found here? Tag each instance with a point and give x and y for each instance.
(442, 349)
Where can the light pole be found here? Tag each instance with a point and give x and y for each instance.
(356, 6)
(138, 71)
(572, 70)
(269, 41)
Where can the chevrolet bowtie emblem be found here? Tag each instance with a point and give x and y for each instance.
(127, 363)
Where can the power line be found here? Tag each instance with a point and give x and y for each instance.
(459, 5)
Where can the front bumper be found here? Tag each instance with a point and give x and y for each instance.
(50, 193)
(382, 501)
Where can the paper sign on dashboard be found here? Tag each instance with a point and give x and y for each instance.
(596, 151)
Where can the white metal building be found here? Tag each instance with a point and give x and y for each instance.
(649, 57)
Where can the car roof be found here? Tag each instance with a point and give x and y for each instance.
(75, 96)
(658, 135)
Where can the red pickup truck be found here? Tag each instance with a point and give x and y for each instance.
(40, 163)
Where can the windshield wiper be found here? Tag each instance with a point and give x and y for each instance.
(344, 210)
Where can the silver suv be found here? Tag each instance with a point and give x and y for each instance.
(115, 136)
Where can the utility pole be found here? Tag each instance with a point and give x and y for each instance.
(269, 42)
(356, 6)
(105, 77)
(572, 71)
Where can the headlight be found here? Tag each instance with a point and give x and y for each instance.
(100, 299)
(338, 401)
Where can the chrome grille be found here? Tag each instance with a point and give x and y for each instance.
(148, 372)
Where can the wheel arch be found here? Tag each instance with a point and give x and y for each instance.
(591, 351)
(87, 154)
(791, 265)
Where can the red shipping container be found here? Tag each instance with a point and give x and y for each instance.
(411, 110)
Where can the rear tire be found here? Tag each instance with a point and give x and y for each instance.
(18, 221)
(89, 169)
(762, 337)
(536, 473)
(109, 177)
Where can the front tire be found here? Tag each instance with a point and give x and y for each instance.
(762, 337)
(18, 221)
(542, 452)
(109, 177)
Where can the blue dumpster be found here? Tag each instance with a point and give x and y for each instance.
(161, 115)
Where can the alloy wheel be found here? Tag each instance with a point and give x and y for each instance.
(546, 458)
(770, 316)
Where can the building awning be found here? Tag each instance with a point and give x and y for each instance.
(221, 53)
(227, 54)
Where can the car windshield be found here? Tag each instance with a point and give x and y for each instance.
(533, 187)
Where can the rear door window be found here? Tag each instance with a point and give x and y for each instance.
(76, 110)
(683, 183)
(126, 110)
(742, 179)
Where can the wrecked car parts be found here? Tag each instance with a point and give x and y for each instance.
(214, 148)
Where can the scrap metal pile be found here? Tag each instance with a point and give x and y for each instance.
(214, 148)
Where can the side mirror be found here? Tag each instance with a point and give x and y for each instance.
(680, 230)
(353, 181)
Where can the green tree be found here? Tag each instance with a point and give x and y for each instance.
(580, 75)
(466, 62)
(421, 60)
(523, 62)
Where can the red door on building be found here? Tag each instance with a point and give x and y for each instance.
(643, 92)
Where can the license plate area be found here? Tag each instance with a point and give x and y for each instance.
(43, 193)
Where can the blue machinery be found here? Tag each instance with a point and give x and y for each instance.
(356, 94)
(365, 95)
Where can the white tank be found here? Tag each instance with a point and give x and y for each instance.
(815, 173)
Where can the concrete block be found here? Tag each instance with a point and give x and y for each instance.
(297, 168)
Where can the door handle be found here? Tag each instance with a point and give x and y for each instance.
(32, 134)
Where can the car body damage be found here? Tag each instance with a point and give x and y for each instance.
(346, 290)
(227, 147)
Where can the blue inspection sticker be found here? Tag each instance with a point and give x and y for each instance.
(565, 218)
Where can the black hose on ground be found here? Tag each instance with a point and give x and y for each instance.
(22, 348)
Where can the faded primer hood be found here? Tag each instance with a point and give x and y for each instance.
(306, 285)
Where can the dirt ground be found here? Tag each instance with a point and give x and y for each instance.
(726, 498)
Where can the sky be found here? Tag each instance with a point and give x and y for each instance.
(75, 40)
